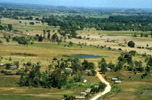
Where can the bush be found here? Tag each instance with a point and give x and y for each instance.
(119, 49)
(79, 37)
(149, 63)
(78, 78)
(1, 27)
(2, 71)
(16, 63)
(8, 66)
(66, 97)
(7, 40)
(1, 41)
(21, 40)
(29, 63)
(115, 89)
(31, 23)
(131, 44)
(93, 72)
(70, 43)
(132, 52)
(8, 73)
(99, 87)
(19, 72)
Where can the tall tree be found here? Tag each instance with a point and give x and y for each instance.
(55, 37)
(102, 65)
(149, 63)
(44, 33)
(10, 27)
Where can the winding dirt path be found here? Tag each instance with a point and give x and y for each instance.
(107, 89)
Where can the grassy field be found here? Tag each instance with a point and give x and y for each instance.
(37, 28)
(124, 33)
(45, 52)
(115, 39)
(131, 88)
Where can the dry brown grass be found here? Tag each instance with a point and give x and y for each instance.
(96, 39)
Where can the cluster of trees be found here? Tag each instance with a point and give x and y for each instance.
(98, 88)
(17, 12)
(9, 27)
(25, 40)
(59, 77)
(21, 40)
(53, 38)
(36, 78)
(67, 25)
(70, 24)
(126, 20)
(125, 61)
(2, 27)
(142, 35)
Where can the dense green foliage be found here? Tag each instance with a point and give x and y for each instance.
(112, 23)
(102, 65)
(10, 27)
(1, 41)
(21, 40)
(2, 27)
(70, 24)
(131, 44)
(59, 77)
(126, 62)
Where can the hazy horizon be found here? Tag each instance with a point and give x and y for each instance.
(88, 3)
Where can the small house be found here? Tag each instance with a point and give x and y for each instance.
(88, 90)
(68, 69)
(83, 93)
(114, 79)
(88, 71)
(1, 65)
(117, 82)
(79, 97)
(13, 67)
(108, 69)
(84, 81)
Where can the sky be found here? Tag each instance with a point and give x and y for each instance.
(89, 3)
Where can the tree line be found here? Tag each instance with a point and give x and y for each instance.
(126, 62)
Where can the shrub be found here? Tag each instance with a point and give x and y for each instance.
(8, 66)
(29, 63)
(131, 44)
(119, 49)
(7, 40)
(31, 23)
(79, 37)
(132, 52)
(66, 97)
(70, 43)
(93, 72)
(21, 40)
(1, 41)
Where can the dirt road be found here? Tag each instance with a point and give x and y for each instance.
(107, 89)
